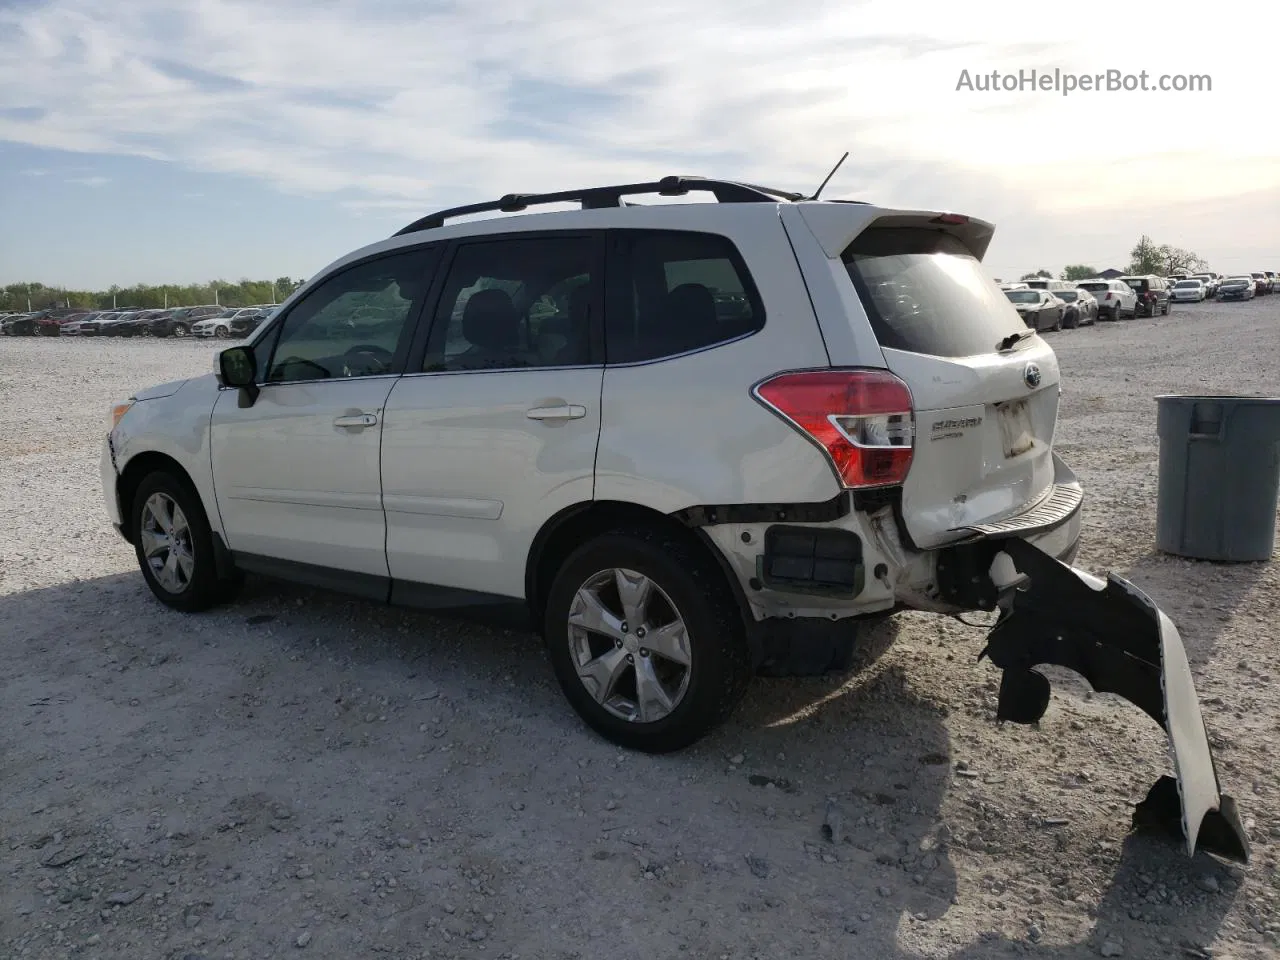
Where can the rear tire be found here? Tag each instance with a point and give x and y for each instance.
(695, 697)
(174, 545)
(179, 330)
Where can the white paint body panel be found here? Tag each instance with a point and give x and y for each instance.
(293, 486)
(960, 474)
(173, 419)
(661, 418)
(469, 478)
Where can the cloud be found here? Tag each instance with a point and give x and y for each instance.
(90, 181)
(389, 105)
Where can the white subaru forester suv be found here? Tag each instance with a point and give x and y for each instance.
(696, 441)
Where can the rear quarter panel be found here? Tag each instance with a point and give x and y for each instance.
(685, 431)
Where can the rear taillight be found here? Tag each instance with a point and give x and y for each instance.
(1108, 296)
(862, 419)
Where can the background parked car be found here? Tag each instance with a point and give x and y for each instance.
(1039, 309)
(1272, 279)
(19, 325)
(1261, 283)
(72, 327)
(1082, 307)
(1211, 281)
(232, 322)
(1190, 291)
(1152, 293)
(51, 324)
(119, 325)
(1237, 288)
(1115, 299)
(1053, 286)
(179, 322)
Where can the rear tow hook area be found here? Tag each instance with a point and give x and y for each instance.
(1119, 641)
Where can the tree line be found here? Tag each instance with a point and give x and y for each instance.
(37, 296)
(1146, 257)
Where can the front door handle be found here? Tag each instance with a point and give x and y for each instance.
(357, 420)
(565, 411)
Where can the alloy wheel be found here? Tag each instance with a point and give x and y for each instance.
(629, 645)
(165, 536)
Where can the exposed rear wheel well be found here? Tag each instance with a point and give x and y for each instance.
(137, 470)
(571, 528)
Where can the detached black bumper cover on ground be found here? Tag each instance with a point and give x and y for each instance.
(1117, 639)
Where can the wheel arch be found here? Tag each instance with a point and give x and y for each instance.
(574, 525)
(138, 469)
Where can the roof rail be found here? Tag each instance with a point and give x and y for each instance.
(598, 198)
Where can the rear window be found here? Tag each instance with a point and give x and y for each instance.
(1137, 284)
(1094, 287)
(1068, 295)
(924, 292)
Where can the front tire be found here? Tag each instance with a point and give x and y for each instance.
(221, 333)
(174, 544)
(646, 639)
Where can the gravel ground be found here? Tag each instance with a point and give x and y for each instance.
(302, 774)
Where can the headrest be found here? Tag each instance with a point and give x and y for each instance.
(490, 321)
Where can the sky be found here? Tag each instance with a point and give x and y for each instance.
(152, 141)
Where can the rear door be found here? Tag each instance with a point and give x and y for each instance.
(494, 430)
(985, 416)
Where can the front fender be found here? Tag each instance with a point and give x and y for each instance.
(176, 425)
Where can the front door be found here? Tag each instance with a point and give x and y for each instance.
(495, 431)
(296, 473)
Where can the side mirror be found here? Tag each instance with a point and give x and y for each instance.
(237, 367)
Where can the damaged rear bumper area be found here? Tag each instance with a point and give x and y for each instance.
(1114, 636)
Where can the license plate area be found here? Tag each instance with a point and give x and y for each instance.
(1016, 434)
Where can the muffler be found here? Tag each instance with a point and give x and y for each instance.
(1119, 641)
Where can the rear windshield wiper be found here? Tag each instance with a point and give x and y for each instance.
(1013, 339)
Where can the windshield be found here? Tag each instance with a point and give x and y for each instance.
(1187, 283)
(924, 292)
(1023, 296)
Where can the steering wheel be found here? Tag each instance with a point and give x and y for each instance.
(290, 361)
(380, 355)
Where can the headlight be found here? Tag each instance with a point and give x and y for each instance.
(119, 410)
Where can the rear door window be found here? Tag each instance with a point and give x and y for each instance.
(924, 292)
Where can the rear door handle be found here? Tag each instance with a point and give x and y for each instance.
(357, 420)
(567, 411)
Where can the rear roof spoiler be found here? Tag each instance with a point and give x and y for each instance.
(835, 225)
